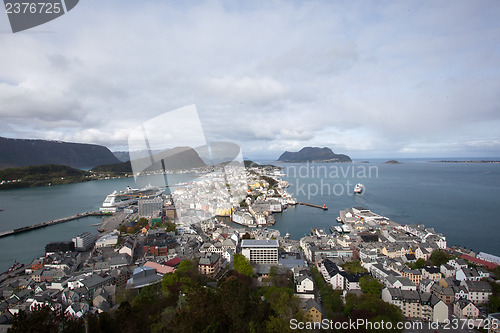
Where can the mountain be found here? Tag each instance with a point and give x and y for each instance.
(313, 154)
(123, 156)
(23, 152)
(179, 158)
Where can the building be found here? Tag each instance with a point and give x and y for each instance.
(465, 309)
(262, 251)
(84, 241)
(312, 311)
(110, 239)
(416, 305)
(431, 273)
(414, 275)
(151, 207)
(209, 264)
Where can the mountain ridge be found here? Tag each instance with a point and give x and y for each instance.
(31, 152)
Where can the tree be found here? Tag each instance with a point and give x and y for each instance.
(42, 320)
(439, 257)
(353, 267)
(496, 271)
(242, 265)
(370, 285)
(420, 263)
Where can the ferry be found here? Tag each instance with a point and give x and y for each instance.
(358, 188)
(127, 197)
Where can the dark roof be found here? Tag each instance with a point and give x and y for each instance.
(432, 269)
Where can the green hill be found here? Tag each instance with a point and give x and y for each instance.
(41, 175)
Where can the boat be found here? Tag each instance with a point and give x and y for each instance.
(339, 220)
(358, 188)
(335, 229)
(127, 197)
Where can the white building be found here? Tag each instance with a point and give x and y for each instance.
(262, 251)
(84, 241)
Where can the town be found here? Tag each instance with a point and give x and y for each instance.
(222, 223)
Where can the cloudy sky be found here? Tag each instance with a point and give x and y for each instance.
(369, 79)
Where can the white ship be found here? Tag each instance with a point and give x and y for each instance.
(131, 195)
(358, 188)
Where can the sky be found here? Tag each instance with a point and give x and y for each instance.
(365, 78)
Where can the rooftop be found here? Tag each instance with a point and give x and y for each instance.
(259, 243)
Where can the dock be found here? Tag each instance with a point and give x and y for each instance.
(49, 223)
(312, 205)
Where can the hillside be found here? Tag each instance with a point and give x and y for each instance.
(179, 158)
(41, 175)
(313, 154)
(21, 152)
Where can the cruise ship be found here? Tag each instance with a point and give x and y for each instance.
(123, 198)
(358, 188)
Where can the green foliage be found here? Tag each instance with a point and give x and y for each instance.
(182, 280)
(44, 320)
(496, 271)
(440, 257)
(284, 306)
(42, 175)
(369, 306)
(370, 285)
(243, 203)
(332, 299)
(242, 265)
(353, 267)
(117, 168)
(420, 263)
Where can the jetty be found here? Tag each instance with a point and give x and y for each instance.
(312, 205)
(52, 222)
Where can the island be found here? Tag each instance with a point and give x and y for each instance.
(313, 154)
(392, 162)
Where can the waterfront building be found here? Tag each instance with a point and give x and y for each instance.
(110, 239)
(151, 207)
(84, 241)
(263, 251)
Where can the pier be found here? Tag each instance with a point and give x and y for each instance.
(52, 222)
(312, 205)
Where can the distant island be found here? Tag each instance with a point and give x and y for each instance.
(313, 154)
(392, 162)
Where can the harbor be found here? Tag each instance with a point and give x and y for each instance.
(52, 222)
(312, 205)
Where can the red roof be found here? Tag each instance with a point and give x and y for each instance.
(485, 263)
(162, 269)
(173, 262)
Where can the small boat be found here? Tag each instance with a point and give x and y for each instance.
(358, 188)
(339, 220)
